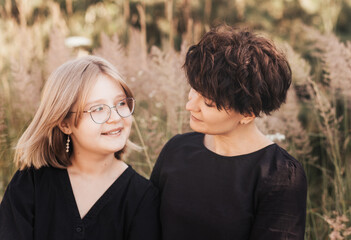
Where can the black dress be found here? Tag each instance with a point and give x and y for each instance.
(261, 195)
(40, 205)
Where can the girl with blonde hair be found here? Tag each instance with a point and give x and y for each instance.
(72, 182)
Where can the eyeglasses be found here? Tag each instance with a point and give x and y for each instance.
(102, 112)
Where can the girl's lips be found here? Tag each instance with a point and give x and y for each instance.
(112, 132)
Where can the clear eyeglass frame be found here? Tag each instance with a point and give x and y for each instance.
(105, 110)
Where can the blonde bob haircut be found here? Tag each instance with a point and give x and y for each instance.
(43, 143)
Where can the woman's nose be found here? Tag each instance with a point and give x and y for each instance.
(193, 98)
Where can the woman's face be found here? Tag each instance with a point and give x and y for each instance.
(207, 119)
(106, 138)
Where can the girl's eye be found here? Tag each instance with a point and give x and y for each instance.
(97, 109)
(121, 103)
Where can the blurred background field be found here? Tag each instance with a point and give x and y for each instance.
(147, 40)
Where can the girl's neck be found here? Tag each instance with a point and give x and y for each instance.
(94, 165)
(242, 140)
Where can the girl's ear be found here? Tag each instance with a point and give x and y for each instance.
(248, 118)
(65, 127)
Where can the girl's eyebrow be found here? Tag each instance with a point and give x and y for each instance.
(100, 100)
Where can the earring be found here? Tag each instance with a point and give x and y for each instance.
(67, 144)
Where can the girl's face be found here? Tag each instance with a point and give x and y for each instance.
(106, 138)
(207, 119)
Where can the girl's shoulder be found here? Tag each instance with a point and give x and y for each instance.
(28, 180)
(28, 176)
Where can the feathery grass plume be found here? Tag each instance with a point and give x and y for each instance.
(336, 59)
(26, 75)
(336, 62)
(112, 51)
(56, 18)
(136, 50)
(337, 68)
(148, 133)
(27, 83)
(57, 53)
(21, 54)
(300, 145)
(166, 69)
(2, 122)
(140, 72)
(169, 97)
(337, 224)
(2, 128)
(3, 147)
(329, 125)
(136, 65)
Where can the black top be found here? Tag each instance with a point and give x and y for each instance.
(260, 195)
(40, 205)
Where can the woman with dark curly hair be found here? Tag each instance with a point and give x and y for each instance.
(227, 180)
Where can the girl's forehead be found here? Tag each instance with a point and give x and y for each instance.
(105, 87)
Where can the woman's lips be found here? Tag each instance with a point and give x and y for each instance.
(194, 118)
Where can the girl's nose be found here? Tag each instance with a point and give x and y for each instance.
(114, 116)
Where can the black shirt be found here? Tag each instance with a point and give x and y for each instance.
(40, 205)
(261, 195)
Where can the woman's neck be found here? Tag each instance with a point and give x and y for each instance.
(242, 140)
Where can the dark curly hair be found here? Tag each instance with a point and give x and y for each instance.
(237, 69)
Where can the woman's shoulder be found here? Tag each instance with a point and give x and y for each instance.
(282, 169)
(138, 185)
(189, 136)
(285, 160)
(180, 140)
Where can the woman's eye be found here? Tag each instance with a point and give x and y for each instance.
(209, 104)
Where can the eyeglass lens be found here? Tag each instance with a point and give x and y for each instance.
(101, 113)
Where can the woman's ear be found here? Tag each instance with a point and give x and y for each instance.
(65, 127)
(247, 118)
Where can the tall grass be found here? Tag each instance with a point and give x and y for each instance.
(313, 125)
(328, 95)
